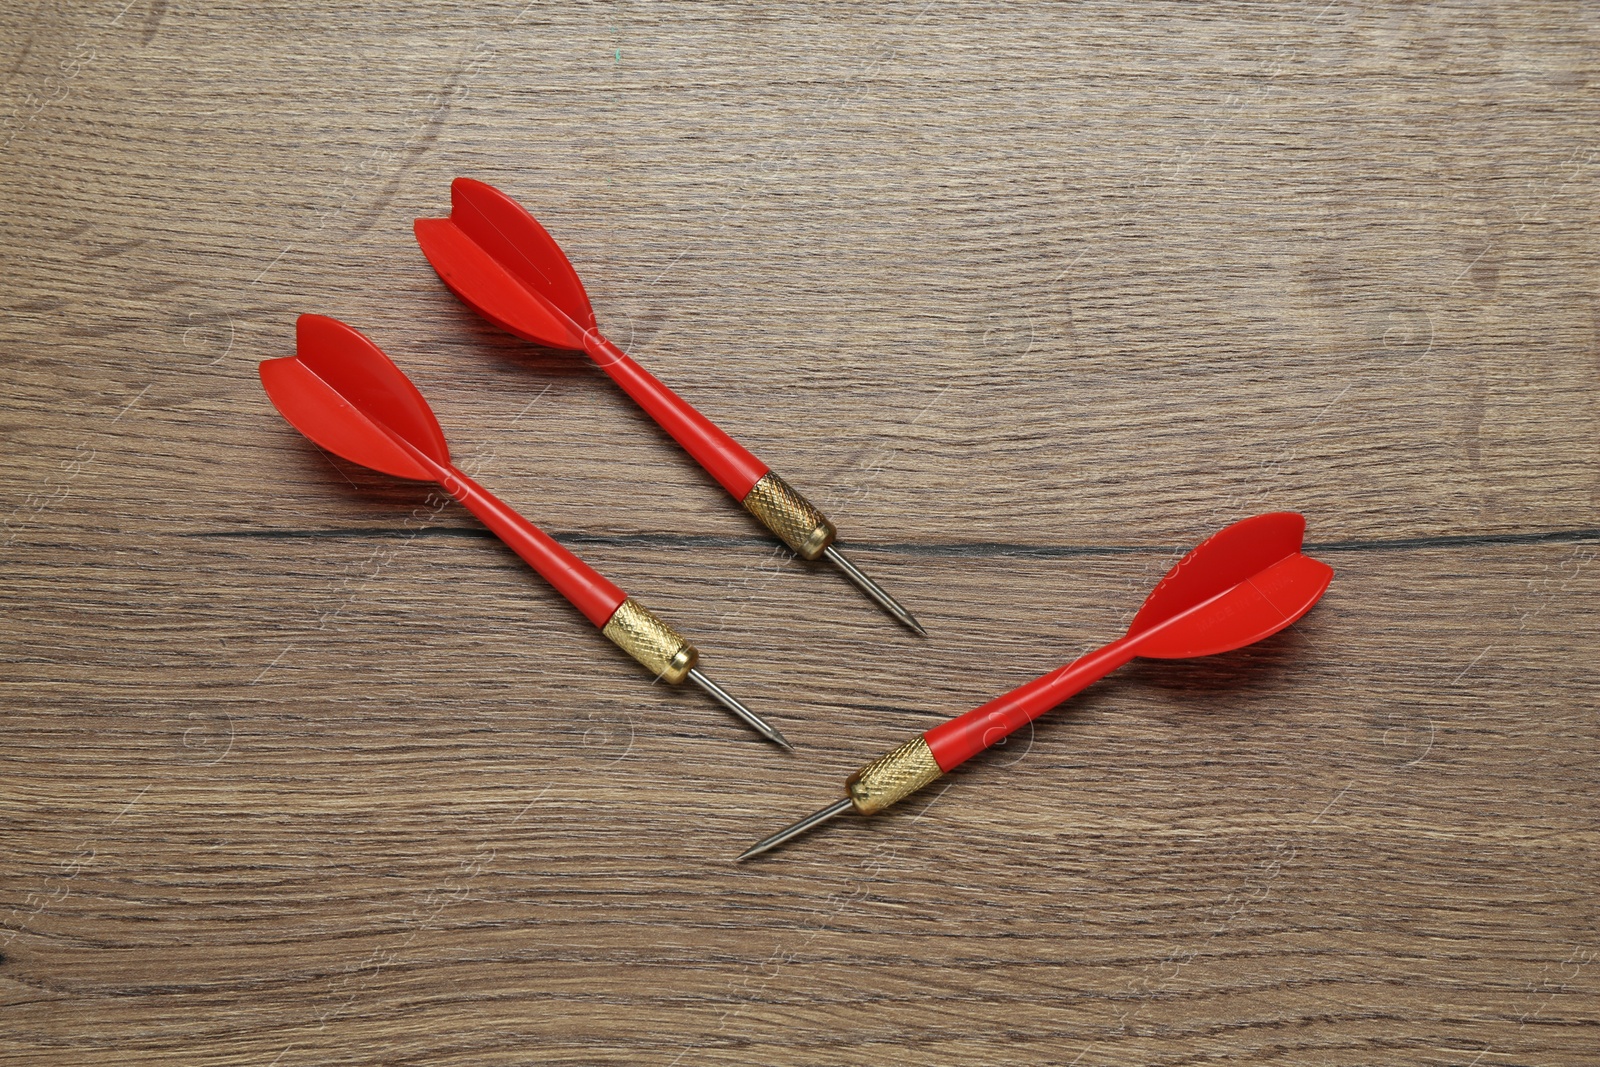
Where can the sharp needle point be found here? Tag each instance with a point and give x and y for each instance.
(754, 721)
(838, 807)
(870, 587)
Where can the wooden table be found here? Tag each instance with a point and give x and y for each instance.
(301, 768)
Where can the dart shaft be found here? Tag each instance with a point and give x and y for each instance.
(628, 624)
(779, 506)
(587, 590)
(725, 459)
(897, 774)
(954, 742)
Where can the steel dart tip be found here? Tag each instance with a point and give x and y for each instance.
(871, 588)
(837, 808)
(751, 719)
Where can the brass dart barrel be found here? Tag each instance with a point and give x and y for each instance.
(891, 777)
(804, 528)
(668, 655)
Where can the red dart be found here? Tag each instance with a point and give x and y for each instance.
(502, 263)
(340, 390)
(1240, 585)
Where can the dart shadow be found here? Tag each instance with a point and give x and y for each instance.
(1211, 686)
(482, 335)
(1216, 684)
(316, 464)
(555, 364)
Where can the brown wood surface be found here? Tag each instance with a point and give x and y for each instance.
(299, 768)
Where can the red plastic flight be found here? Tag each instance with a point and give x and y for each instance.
(497, 258)
(342, 392)
(1244, 583)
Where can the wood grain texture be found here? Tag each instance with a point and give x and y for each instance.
(299, 767)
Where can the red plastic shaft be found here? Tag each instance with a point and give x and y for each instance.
(729, 462)
(953, 743)
(586, 588)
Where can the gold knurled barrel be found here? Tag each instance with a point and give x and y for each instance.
(663, 651)
(789, 515)
(892, 776)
